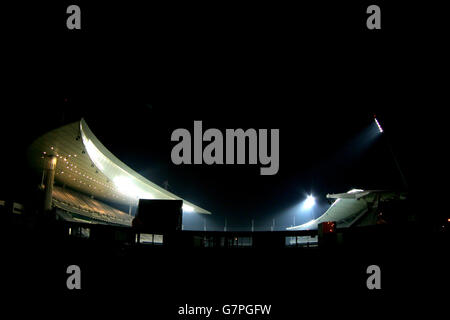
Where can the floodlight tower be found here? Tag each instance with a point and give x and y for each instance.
(405, 184)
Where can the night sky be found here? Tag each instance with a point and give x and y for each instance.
(137, 75)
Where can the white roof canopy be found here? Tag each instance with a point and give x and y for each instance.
(85, 164)
(349, 206)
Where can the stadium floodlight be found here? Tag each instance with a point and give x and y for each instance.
(378, 125)
(309, 202)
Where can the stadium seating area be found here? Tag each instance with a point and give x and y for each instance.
(89, 208)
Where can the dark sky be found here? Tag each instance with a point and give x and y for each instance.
(314, 72)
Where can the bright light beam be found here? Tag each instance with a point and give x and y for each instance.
(126, 186)
(378, 125)
(309, 202)
(187, 208)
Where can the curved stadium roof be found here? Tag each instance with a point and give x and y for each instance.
(86, 165)
(349, 207)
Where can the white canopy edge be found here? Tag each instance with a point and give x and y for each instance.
(127, 181)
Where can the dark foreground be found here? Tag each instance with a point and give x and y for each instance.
(154, 281)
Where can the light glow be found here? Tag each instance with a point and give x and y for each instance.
(96, 156)
(187, 208)
(355, 191)
(126, 186)
(309, 202)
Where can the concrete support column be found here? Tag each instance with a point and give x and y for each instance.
(49, 169)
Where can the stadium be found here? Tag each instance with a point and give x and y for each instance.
(87, 177)
(89, 190)
(93, 210)
(85, 187)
